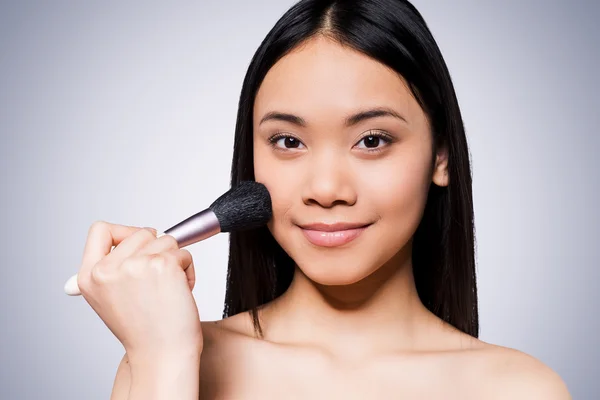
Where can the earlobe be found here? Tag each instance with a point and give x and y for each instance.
(440, 171)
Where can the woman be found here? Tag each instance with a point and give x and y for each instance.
(363, 283)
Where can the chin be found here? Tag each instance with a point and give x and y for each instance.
(336, 270)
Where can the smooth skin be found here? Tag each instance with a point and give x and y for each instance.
(351, 325)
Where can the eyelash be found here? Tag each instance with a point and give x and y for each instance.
(378, 134)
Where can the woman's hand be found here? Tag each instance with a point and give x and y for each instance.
(142, 290)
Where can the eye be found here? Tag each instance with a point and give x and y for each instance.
(285, 141)
(373, 140)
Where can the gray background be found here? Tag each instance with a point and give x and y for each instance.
(124, 111)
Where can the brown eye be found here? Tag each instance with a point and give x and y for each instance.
(371, 141)
(375, 141)
(289, 142)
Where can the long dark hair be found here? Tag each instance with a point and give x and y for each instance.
(394, 33)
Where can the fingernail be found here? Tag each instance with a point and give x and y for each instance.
(71, 288)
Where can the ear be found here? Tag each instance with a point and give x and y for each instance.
(440, 170)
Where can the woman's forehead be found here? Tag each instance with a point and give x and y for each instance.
(325, 66)
(323, 76)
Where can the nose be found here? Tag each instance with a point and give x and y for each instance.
(328, 182)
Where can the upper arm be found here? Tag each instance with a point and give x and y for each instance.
(122, 383)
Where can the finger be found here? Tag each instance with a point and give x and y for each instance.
(190, 273)
(162, 244)
(102, 237)
(184, 258)
(186, 262)
(130, 246)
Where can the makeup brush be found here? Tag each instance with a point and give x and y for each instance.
(245, 206)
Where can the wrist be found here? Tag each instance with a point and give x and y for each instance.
(166, 351)
(157, 357)
(168, 375)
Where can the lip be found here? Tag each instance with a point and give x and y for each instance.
(332, 235)
(337, 227)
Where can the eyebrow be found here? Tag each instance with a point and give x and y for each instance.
(350, 121)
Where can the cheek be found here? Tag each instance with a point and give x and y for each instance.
(397, 194)
(281, 186)
(399, 219)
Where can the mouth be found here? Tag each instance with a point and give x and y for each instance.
(332, 235)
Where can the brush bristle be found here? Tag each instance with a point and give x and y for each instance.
(245, 206)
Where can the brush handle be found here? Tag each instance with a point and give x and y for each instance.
(72, 288)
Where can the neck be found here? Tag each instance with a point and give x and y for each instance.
(382, 311)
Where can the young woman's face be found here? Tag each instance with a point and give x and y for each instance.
(339, 139)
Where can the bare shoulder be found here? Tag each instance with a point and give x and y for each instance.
(517, 375)
(220, 338)
(225, 343)
(226, 332)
